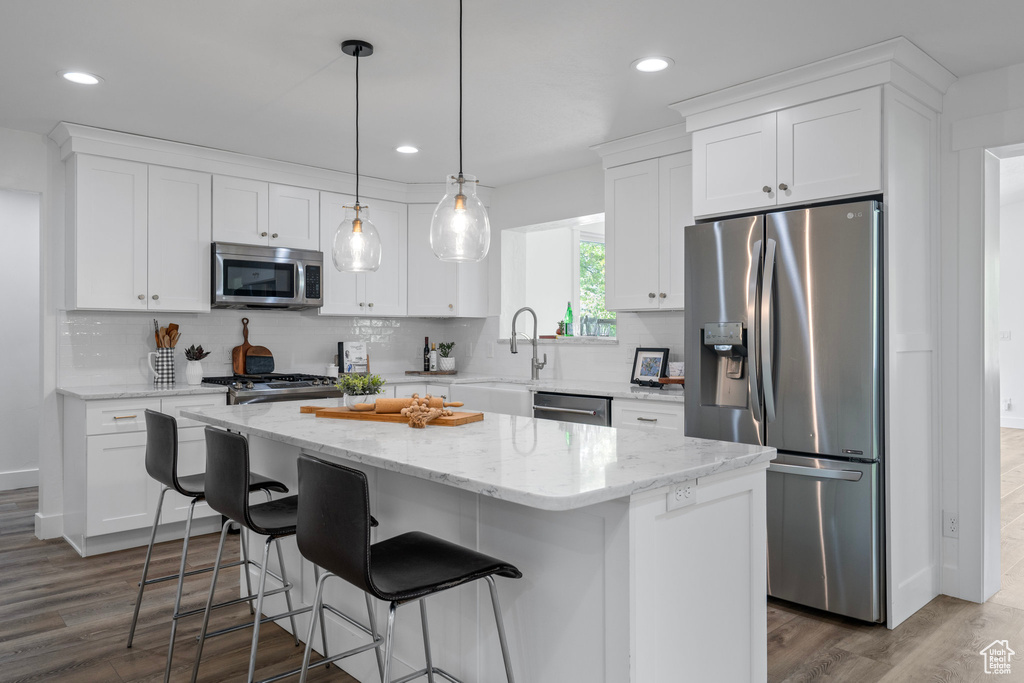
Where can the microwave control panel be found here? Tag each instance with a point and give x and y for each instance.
(312, 282)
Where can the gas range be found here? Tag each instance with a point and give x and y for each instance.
(275, 387)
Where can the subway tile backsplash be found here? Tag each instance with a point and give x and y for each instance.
(101, 348)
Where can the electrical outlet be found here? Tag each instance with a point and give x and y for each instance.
(1007, 405)
(950, 525)
(682, 495)
(490, 349)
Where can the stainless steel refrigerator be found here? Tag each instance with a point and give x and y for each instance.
(784, 348)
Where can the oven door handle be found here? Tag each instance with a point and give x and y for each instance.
(574, 411)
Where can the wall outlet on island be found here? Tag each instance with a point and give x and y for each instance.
(681, 495)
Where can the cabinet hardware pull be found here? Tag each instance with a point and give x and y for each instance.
(650, 295)
(125, 417)
(450, 306)
(361, 304)
(647, 419)
(371, 304)
(274, 236)
(766, 189)
(783, 186)
(263, 234)
(142, 297)
(155, 297)
(663, 295)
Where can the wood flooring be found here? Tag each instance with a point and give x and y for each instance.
(65, 618)
(939, 643)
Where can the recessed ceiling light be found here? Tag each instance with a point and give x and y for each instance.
(652, 64)
(81, 77)
(406, 149)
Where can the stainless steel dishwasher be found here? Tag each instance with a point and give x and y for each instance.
(588, 410)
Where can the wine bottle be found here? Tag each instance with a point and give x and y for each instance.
(426, 354)
(568, 320)
(433, 357)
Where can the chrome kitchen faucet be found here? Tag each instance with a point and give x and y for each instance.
(535, 365)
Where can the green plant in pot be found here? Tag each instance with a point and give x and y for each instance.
(446, 362)
(193, 368)
(359, 388)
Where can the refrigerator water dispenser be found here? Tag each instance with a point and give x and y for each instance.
(723, 363)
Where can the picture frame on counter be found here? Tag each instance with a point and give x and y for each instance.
(353, 358)
(649, 365)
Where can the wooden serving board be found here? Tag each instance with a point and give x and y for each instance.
(431, 372)
(371, 416)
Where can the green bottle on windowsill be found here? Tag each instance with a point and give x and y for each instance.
(568, 319)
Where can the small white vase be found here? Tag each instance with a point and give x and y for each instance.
(446, 364)
(194, 372)
(352, 399)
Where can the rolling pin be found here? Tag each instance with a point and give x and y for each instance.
(395, 405)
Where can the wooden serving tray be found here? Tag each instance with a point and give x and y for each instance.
(372, 416)
(672, 380)
(431, 372)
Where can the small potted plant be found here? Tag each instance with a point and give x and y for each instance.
(446, 363)
(193, 368)
(359, 388)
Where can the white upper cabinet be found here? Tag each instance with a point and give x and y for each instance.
(382, 292)
(107, 234)
(829, 148)
(179, 239)
(647, 206)
(438, 288)
(256, 212)
(139, 236)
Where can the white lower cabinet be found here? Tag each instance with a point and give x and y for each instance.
(650, 415)
(407, 390)
(106, 487)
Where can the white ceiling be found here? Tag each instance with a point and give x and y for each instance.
(544, 79)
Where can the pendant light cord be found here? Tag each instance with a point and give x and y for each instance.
(460, 88)
(358, 51)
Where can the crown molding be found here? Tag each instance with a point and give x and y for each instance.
(897, 61)
(656, 143)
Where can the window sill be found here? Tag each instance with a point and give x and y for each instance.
(569, 341)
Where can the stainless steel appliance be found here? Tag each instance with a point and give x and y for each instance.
(246, 276)
(784, 348)
(275, 387)
(588, 410)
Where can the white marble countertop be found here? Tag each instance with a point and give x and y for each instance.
(671, 393)
(95, 393)
(539, 463)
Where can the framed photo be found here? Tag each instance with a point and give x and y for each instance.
(648, 366)
(353, 358)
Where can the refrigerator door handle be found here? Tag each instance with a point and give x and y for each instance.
(800, 470)
(752, 365)
(767, 313)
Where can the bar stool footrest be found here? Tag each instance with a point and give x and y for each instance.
(423, 672)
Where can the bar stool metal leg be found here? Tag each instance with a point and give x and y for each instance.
(259, 610)
(287, 594)
(373, 634)
(389, 638)
(426, 641)
(181, 583)
(145, 566)
(499, 620)
(318, 614)
(318, 606)
(209, 600)
(243, 536)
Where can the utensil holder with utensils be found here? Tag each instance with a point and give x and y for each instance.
(161, 362)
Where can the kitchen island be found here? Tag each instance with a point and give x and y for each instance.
(643, 555)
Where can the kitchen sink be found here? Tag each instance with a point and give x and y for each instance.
(494, 397)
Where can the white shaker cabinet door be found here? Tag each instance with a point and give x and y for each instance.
(734, 166)
(675, 175)
(387, 287)
(119, 497)
(241, 210)
(830, 148)
(109, 238)
(294, 217)
(631, 236)
(179, 239)
(433, 284)
(343, 292)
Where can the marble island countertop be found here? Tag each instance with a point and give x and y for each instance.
(539, 463)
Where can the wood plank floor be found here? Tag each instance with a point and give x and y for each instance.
(939, 643)
(65, 618)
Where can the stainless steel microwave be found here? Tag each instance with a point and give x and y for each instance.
(246, 276)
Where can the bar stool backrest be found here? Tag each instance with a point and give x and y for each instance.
(162, 449)
(333, 527)
(227, 475)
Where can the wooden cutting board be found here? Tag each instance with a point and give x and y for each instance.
(238, 353)
(371, 416)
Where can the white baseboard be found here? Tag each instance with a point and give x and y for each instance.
(1011, 422)
(49, 526)
(19, 479)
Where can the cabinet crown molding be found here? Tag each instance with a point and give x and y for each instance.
(897, 61)
(655, 143)
(73, 138)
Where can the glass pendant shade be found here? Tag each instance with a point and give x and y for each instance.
(460, 229)
(356, 244)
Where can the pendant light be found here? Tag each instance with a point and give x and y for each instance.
(460, 229)
(356, 243)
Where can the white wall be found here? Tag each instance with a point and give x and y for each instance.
(19, 340)
(1011, 312)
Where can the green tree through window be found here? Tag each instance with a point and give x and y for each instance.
(592, 284)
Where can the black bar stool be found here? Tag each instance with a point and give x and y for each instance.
(162, 465)
(227, 468)
(334, 532)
